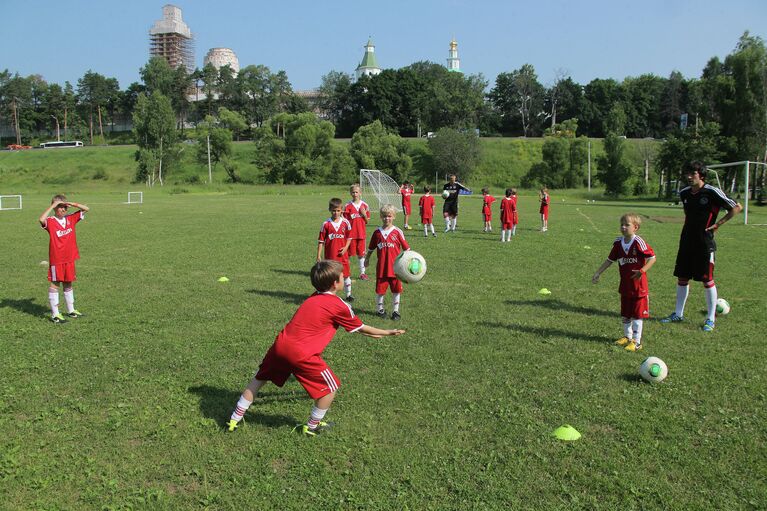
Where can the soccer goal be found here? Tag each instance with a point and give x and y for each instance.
(8, 202)
(135, 198)
(383, 187)
(737, 181)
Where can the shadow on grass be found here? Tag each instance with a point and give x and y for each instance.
(559, 305)
(291, 272)
(631, 377)
(282, 295)
(26, 305)
(544, 331)
(217, 404)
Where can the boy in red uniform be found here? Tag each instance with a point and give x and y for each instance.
(406, 190)
(357, 212)
(516, 213)
(508, 209)
(389, 241)
(426, 205)
(62, 253)
(298, 348)
(544, 211)
(487, 212)
(334, 242)
(635, 258)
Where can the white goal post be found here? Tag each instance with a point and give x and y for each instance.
(383, 187)
(9, 199)
(135, 198)
(747, 166)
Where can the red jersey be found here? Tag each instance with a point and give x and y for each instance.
(544, 203)
(313, 326)
(389, 244)
(358, 216)
(487, 202)
(334, 237)
(631, 256)
(406, 192)
(508, 207)
(63, 240)
(426, 203)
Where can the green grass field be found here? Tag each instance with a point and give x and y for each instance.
(124, 408)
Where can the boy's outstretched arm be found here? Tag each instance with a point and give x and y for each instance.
(602, 268)
(81, 207)
(377, 333)
(47, 212)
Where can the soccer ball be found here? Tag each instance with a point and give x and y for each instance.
(653, 370)
(722, 306)
(410, 266)
(445, 194)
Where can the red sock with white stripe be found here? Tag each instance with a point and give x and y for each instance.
(242, 407)
(316, 417)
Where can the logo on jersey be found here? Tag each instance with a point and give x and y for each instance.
(385, 244)
(627, 260)
(336, 236)
(703, 201)
(64, 232)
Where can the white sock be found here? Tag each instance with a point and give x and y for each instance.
(362, 265)
(432, 228)
(681, 298)
(636, 325)
(455, 222)
(447, 223)
(711, 302)
(316, 417)
(380, 302)
(242, 407)
(425, 229)
(395, 301)
(348, 285)
(503, 235)
(69, 299)
(53, 299)
(626, 328)
(514, 230)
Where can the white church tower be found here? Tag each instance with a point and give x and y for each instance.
(453, 62)
(369, 65)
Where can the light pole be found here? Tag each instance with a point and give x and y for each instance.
(58, 133)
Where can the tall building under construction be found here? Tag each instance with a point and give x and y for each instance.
(171, 39)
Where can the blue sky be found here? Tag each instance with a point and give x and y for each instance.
(307, 39)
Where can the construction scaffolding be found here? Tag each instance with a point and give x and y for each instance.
(171, 39)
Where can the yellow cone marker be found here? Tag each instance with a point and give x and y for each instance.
(544, 291)
(567, 433)
(223, 279)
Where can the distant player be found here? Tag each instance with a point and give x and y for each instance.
(508, 209)
(406, 190)
(695, 257)
(487, 209)
(62, 253)
(388, 241)
(334, 241)
(298, 348)
(450, 207)
(635, 257)
(516, 212)
(357, 212)
(426, 206)
(544, 210)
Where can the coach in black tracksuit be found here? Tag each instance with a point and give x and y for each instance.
(450, 208)
(695, 258)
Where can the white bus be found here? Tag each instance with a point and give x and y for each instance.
(53, 145)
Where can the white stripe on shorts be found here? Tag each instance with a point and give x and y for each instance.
(53, 274)
(328, 377)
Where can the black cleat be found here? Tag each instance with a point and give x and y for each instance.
(395, 316)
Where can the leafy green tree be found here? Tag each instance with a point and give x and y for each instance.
(455, 152)
(616, 120)
(599, 96)
(520, 98)
(614, 169)
(154, 130)
(214, 141)
(334, 95)
(683, 146)
(374, 147)
(95, 92)
(232, 121)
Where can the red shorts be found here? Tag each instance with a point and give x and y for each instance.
(406, 207)
(383, 283)
(357, 247)
(62, 272)
(426, 220)
(312, 373)
(487, 216)
(635, 307)
(516, 218)
(545, 212)
(507, 226)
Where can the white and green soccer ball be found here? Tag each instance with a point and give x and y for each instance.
(722, 306)
(653, 370)
(410, 266)
(445, 194)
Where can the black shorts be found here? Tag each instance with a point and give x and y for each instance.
(451, 208)
(695, 258)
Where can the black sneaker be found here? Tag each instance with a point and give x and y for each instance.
(350, 298)
(75, 314)
(381, 313)
(395, 316)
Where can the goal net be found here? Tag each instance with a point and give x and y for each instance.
(135, 198)
(8, 202)
(382, 187)
(741, 180)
